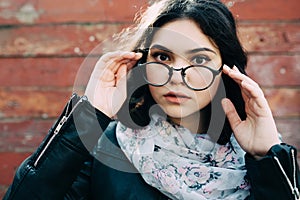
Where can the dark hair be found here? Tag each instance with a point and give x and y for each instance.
(216, 22)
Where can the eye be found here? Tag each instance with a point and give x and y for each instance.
(200, 60)
(161, 57)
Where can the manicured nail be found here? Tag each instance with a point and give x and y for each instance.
(235, 68)
(138, 54)
(226, 67)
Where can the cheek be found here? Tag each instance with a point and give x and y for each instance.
(214, 87)
(205, 97)
(154, 92)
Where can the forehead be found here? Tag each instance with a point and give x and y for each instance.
(182, 35)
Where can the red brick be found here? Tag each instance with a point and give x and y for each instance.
(23, 135)
(274, 70)
(79, 40)
(56, 11)
(3, 190)
(264, 9)
(58, 40)
(34, 90)
(289, 128)
(30, 103)
(270, 37)
(45, 71)
(9, 161)
(284, 102)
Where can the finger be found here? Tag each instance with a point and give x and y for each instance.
(127, 56)
(110, 74)
(252, 90)
(249, 87)
(236, 75)
(116, 56)
(231, 113)
(226, 69)
(256, 94)
(112, 55)
(130, 63)
(123, 58)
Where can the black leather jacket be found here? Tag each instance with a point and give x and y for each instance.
(63, 167)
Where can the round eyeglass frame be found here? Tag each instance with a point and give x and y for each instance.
(183, 69)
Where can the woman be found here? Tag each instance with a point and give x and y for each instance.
(165, 134)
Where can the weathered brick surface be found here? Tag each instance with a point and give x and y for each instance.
(57, 11)
(43, 49)
(79, 39)
(275, 70)
(42, 104)
(48, 11)
(270, 37)
(54, 40)
(284, 102)
(265, 9)
(39, 72)
(289, 129)
(3, 189)
(9, 161)
(23, 135)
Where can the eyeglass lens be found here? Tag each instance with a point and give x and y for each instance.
(195, 77)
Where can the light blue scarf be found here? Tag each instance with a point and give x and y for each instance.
(183, 165)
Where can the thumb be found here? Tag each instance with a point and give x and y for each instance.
(231, 113)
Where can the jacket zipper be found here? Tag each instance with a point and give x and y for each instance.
(294, 189)
(58, 127)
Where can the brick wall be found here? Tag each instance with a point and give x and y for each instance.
(44, 42)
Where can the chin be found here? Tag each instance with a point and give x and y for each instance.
(180, 113)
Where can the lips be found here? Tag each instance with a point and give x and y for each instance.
(176, 97)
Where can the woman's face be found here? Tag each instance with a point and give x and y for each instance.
(179, 44)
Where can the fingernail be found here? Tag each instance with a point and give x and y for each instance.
(224, 103)
(225, 66)
(138, 54)
(234, 67)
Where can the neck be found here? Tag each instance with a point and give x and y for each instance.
(189, 122)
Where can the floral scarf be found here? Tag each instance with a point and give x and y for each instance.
(183, 165)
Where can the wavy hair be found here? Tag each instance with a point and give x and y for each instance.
(218, 24)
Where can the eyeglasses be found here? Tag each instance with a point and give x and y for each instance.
(195, 77)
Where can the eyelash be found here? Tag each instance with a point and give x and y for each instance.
(155, 55)
(203, 57)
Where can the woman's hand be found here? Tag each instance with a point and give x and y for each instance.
(106, 89)
(258, 132)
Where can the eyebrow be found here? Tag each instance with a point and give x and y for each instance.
(157, 46)
(200, 49)
(160, 47)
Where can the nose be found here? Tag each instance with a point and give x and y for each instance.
(177, 69)
(176, 77)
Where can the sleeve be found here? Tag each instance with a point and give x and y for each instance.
(52, 171)
(275, 176)
(80, 188)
